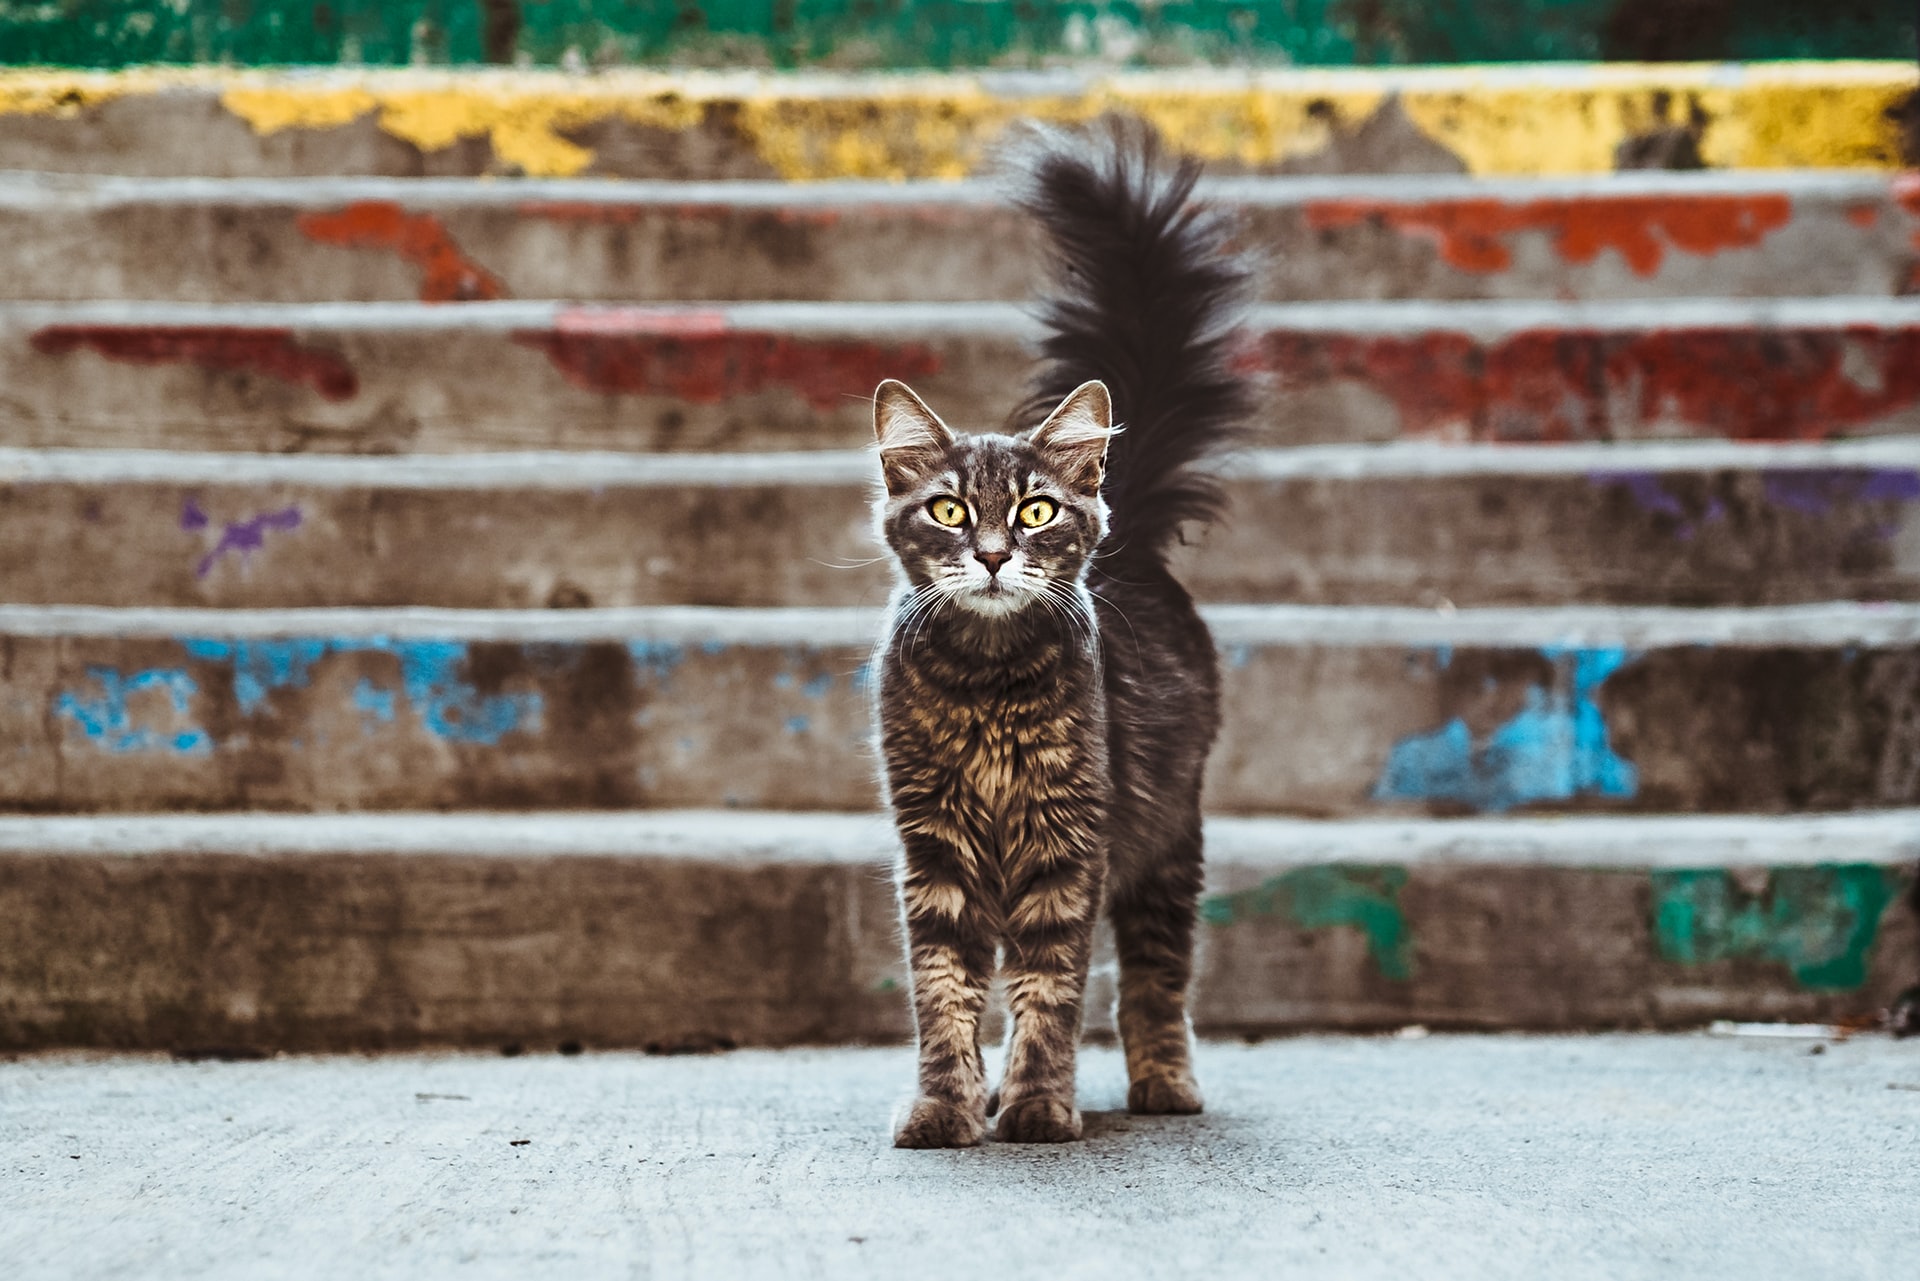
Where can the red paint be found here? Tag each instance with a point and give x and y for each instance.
(223, 348)
(1472, 234)
(1581, 385)
(597, 212)
(591, 211)
(1866, 217)
(698, 362)
(1906, 194)
(446, 274)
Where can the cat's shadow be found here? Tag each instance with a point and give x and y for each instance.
(1115, 1122)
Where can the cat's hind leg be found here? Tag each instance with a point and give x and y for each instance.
(1153, 929)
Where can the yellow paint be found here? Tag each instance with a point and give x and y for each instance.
(1507, 120)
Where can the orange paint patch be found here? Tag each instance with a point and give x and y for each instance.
(633, 352)
(1472, 234)
(1584, 385)
(1865, 217)
(1906, 194)
(446, 274)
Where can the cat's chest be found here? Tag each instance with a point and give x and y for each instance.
(1007, 751)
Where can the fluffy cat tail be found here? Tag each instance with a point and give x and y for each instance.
(1146, 298)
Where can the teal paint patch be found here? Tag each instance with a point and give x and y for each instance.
(431, 678)
(1555, 748)
(1362, 896)
(1819, 922)
(107, 718)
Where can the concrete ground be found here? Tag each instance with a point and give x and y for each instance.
(1592, 1156)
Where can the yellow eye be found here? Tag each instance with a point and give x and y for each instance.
(948, 511)
(1037, 513)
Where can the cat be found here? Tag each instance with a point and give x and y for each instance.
(1048, 694)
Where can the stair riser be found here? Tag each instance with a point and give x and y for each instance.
(700, 382)
(1719, 538)
(334, 952)
(220, 122)
(130, 725)
(1506, 243)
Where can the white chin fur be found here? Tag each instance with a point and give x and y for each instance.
(993, 603)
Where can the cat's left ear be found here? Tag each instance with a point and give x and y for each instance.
(1074, 438)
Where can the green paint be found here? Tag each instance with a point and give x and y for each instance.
(1328, 897)
(940, 33)
(1820, 922)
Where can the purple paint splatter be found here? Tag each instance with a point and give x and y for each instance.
(191, 517)
(1816, 493)
(243, 536)
(1651, 496)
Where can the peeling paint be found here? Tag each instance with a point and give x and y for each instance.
(1819, 922)
(1332, 896)
(1555, 748)
(1788, 115)
(108, 718)
(1473, 235)
(447, 705)
(716, 365)
(221, 348)
(1555, 385)
(446, 273)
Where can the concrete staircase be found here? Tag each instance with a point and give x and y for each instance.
(438, 610)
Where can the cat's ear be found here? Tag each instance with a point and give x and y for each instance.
(1074, 438)
(912, 439)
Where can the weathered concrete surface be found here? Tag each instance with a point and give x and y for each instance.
(1693, 524)
(1329, 711)
(397, 377)
(700, 929)
(1613, 1157)
(319, 240)
(220, 122)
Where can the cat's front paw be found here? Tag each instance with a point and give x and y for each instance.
(1164, 1096)
(1039, 1119)
(936, 1123)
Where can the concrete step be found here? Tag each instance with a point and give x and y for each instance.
(399, 377)
(222, 122)
(712, 929)
(1329, 711)
(446, 240)
(1695, 523)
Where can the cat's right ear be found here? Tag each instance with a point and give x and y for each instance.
(912, 439)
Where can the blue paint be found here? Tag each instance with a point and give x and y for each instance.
(819, 687)
(108, 720)
(1443, 656)
(1238, 656)
(260, 666)
(783, 681)
(657, 658)
(863, 677)
(430, 677)
(375, 702)
(1554, 749)
(712, 647)
(799, 724)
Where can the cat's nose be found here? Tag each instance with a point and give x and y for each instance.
(993, 561)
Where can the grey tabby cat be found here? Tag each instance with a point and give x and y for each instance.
(1048, 694)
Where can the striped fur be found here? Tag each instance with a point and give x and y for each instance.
(1047, 693)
